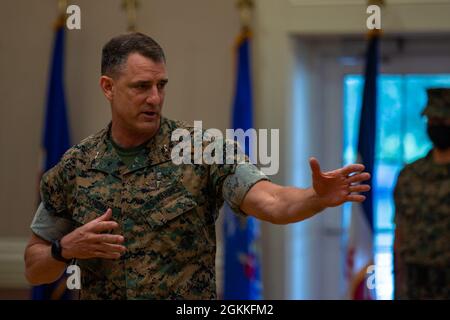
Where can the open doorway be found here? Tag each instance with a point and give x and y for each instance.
(327, 89)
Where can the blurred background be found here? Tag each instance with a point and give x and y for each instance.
(307, 67)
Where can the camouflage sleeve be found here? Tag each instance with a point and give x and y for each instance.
(54, 186)
(236, 185)
(49, 226)
(219, 171)
(232, 179)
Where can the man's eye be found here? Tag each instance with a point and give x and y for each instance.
(161, 85)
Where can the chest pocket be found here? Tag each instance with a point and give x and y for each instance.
(94, 194)
(87, 208)
(162, 214)
(170, 203)
(93, 198)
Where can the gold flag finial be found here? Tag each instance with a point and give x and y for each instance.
(62, 7)
(245, 8)
(130, 6)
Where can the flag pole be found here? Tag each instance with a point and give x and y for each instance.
(361, 249)
(56, 138)
(241, 267)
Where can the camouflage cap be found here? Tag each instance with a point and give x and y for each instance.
(438, 104)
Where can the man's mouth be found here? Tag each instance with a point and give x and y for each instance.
(150, 114)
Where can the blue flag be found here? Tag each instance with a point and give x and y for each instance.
(360, 252)
(368, 121)
(55, 142)
(242, 275)
(56, 138)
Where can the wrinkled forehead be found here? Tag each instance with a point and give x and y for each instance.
(140, 66)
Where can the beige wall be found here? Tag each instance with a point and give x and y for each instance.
(197, 36)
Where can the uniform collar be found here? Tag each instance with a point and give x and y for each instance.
(157, 150)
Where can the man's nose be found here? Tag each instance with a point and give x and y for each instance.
(154, 96)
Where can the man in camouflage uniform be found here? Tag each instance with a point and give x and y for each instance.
(139, 225)
(422, 200)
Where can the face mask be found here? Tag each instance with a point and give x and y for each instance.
(439, 135)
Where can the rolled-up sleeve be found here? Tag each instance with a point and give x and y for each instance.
(50, 227)
(52, 219)
(236, 185)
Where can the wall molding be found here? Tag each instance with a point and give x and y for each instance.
(12, 266)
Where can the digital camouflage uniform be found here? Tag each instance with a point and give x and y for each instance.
(422, 200)
(165, 212)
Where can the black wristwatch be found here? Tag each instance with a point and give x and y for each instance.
(57, 252)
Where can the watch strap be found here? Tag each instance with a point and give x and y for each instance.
(57, 252)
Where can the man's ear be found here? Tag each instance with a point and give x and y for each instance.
(107, 85)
